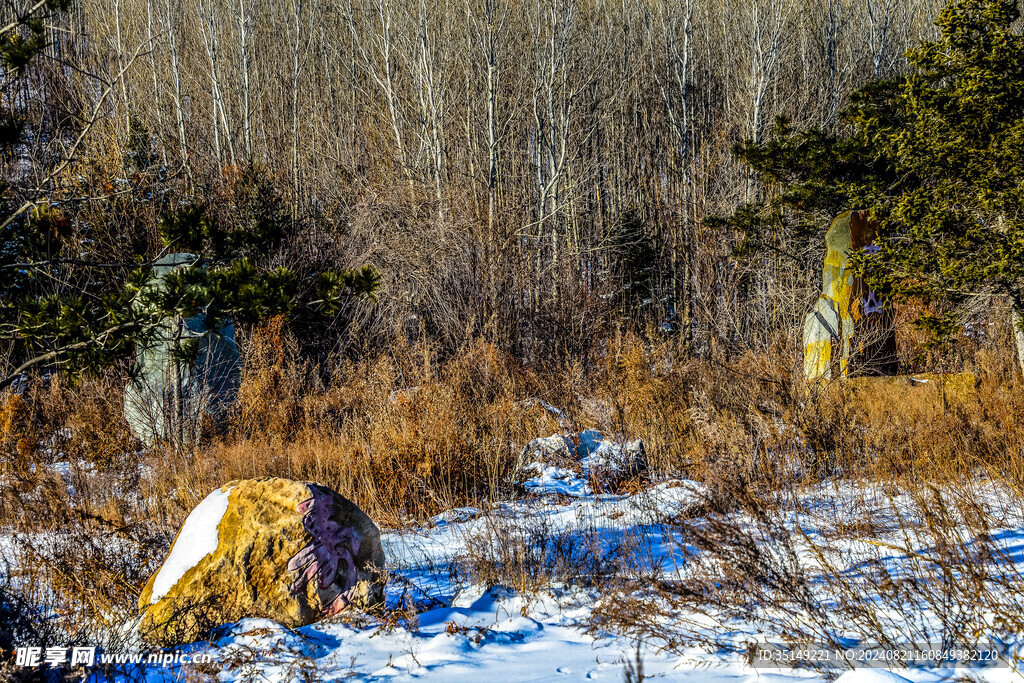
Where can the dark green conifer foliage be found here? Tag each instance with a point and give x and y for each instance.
(111, 308)
(937, 156)
(634, 265)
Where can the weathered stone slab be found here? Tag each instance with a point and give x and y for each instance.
(168, 397)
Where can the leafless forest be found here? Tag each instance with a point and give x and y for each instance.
(532, 180)
(536, 173)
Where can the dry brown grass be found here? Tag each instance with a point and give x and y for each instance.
(406, 434)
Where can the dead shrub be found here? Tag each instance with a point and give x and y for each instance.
(80, 585)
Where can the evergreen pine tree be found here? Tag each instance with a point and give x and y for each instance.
(937, 156)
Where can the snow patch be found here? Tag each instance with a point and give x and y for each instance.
(197, 539)
(551, 479)
(455, 516)
(267, 636)
(871, 676)
(467, 631)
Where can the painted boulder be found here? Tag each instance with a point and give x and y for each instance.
(290, 551)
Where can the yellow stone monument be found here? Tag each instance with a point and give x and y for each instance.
(846, 303)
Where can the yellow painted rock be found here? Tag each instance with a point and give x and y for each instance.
(830, 324)
(846, 303)
(290, 551)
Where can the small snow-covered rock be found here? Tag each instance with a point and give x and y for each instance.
(551, 479)
(561, 449)
(570, 463)
(618, 460)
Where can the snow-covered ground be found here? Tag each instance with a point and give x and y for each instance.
(455, 628)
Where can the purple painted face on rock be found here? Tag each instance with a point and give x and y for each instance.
(330, 557)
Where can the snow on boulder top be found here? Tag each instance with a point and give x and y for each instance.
(197, 539)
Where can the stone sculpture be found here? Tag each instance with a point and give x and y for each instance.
(847, 313)
(168, 397)
(329, 557)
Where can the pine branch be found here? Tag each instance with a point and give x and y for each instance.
(51, 357)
